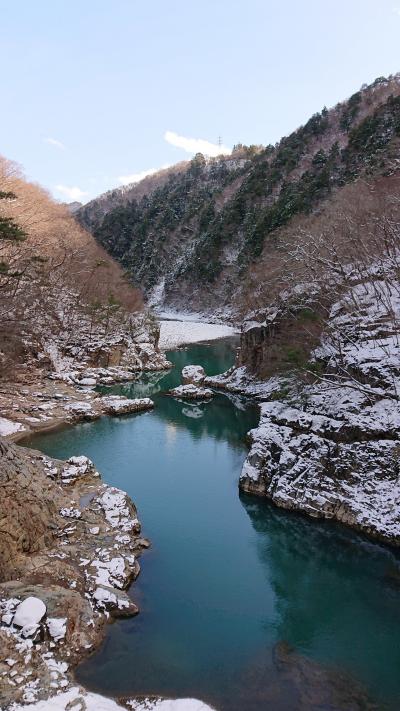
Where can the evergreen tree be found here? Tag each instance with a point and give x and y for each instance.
(9, 230)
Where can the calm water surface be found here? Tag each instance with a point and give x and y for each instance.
(230, 578)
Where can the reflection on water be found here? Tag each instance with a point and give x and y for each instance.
(280, 679)
(241, 604)
(333, 598)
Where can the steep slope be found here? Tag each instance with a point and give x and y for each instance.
(197, 236)
(92, 213)
(61, 294)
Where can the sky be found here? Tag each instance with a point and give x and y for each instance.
(97, 93)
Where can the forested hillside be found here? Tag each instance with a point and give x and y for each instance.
(55, 280)
(93, 212)
(203, 233)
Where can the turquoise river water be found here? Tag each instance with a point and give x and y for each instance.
(232, 584)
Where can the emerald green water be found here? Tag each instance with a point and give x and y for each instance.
(229, 576)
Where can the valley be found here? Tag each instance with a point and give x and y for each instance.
(202, 372)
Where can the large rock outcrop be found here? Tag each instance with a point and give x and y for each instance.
(329, 468)
(328, 442)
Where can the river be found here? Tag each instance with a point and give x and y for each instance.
(231, 583)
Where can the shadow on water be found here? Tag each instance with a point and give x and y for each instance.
(337, 597)
(242, 604)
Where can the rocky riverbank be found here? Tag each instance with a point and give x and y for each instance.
(46, 404)
(69, 549)
(57, 386)
(70, 544)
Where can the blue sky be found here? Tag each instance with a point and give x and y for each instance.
(90, 88)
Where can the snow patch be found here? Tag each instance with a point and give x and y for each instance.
(8, 427)
(178, 333)
(57, 627)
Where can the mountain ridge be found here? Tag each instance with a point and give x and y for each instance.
(207, 226)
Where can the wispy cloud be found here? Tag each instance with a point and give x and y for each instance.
(55, 142)
(136, 177)
(195, 145)
(72, 193)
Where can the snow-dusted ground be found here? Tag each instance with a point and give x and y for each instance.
(8, 427)
(77, 698)
(222, 315)
(169, 705)
(173, 315)
(179, 333)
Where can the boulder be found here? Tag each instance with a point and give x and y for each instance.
(81, 410)
(191, 392)
(193, 374)
(119, 405)
(28, 615)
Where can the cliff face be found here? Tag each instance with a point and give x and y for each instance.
(328, 440)
(199, 233)
(28, 508)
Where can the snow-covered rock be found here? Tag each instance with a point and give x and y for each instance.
(78, 698)
(74, 698)
(191, 392)
(70, 512)
(169, 705)
(242, 381)
(68, 556)
(28, 615)
(81, 410)
(87, 382)
(193, 374)
(108, 599)
(307, 463)
(57, 627)
(76, 468)
(118, 510)
(119, 405)
(81, 350)
(330, 448)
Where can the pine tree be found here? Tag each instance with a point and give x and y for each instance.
(9, 230)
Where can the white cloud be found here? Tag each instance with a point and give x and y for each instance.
(195, 145)
(54, 142)
(72, 193)
(136, 177)
(396, 10)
